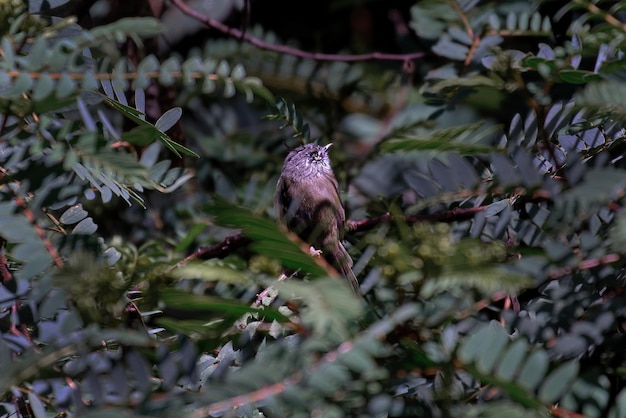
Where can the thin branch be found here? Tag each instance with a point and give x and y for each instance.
(233, 242)
(252, 397)
(28, 214)
(466, 23)
(5, 274)
(283, 49)
(456, 214)
(606, 16)
(588, 264)
(132, 75)
(219, 250)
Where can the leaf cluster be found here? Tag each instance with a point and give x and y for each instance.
(485, 185)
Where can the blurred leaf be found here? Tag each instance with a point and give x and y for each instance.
(317, 295)
(65, 87)
(512, 360)
(267, 238)
(450, 139)
(36, 405)
(604, 95)
(210, 307)
(558, 382)
(21, 85)
(578, 76)
(447, 48)
(534, 370)
(192, 234)
(210, 273)
(193, 327)
(43, 87)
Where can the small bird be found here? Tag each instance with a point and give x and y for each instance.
(307, 202)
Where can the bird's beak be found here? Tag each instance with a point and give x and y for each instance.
(327, 146)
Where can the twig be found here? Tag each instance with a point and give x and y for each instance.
(28, 214)
(266, 292)
(219, 250)
(283, 49)
(232, 242)
(608, 18)
(5, 274)
(586, 265)
(456, 214)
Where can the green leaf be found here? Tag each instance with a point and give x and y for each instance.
(8, 57)
(136, 116)
(141, 26)
(534, 370)
(210, 273)
(229, 88)
(318, 296)
(149, 64)
(446, 48)
(177, 148)
(470, 81)
(169, 119)
(199, 305)
(459, 273)
(618, 233)
(253, 87)
(65, 87)
(238, 72)
(558, 382)
(73, 215)
(52, 103)
(85, 227)
(619, 410)
(496, 207)
(39, 411)
(169, 68)
(502, 408)
(193, 327)
(479, 342)
(139, 135)
(493, 345)
(21, 85)
(208, 85)
(190, 237)
(89, 81)
(456, 139)
(267, 238)
(604, 95)
(512, 360)
(578, 76)
(43, 87)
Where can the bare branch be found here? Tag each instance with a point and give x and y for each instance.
(283, 49)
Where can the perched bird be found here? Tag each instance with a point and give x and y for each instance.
(307, 202)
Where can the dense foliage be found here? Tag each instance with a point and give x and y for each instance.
(479, 150)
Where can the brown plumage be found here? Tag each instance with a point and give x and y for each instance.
(307, 202)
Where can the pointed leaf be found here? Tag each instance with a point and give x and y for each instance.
(169, 119)
(73, 215)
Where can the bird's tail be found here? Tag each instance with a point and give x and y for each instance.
(341, 260)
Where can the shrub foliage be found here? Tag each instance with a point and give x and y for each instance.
(481, 166)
